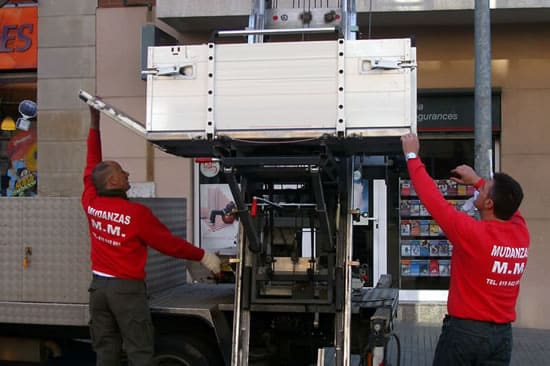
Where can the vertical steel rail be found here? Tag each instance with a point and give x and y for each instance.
(343, 346)
(256, 20)
(482, 93)
(344, 262)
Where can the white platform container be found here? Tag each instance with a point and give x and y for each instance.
(282, 90)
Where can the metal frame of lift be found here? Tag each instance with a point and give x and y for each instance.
(338, 275)
(340, 300)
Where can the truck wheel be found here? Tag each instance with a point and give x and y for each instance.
(178, 351)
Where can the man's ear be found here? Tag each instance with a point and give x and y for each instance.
(489, 203)
(111, 181)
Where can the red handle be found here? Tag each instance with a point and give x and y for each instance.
(254, 208)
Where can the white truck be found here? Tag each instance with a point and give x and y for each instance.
(284, 121)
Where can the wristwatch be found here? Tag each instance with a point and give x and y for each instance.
(410, 155)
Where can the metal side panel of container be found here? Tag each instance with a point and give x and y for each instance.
(380, 85)
(282, 90)
(47, 272)
(55, 229)
(164, 272)
(52, 288)
(11, 250)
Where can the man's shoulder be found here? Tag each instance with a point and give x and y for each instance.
(137, 207)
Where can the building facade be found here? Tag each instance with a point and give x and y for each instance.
(97, 46)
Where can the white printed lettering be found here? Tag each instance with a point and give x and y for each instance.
(519, 268)
(113, 230)
(508, 252)
(110, 216)
(96, 224)
(100, 238)
(500, 267)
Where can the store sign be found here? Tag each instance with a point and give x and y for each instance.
(18, 37)
(449, 111)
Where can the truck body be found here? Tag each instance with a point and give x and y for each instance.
(284, 121)
(46, 274)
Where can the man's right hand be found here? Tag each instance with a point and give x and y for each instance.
(465, 174)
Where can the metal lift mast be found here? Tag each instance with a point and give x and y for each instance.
(267, 282)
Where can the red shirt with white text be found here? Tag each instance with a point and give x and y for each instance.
(489, 256)
(121, 230)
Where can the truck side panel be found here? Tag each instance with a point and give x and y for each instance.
(44, 258)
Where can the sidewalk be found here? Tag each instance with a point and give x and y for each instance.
(418, 341)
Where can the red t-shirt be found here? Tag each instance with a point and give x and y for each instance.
(120, 230)
(489, 256)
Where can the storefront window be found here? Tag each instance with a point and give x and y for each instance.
(18, 134)
(18, 64)
(218, 228)
(423, 250)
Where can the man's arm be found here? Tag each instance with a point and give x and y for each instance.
(159, 237)
(94, 118)
(447, 217)
(93, 156)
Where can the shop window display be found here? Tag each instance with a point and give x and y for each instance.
(423, 250)
(18, 139)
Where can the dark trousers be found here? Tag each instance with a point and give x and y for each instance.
(119, 313)
(471, 342)
(215, 213)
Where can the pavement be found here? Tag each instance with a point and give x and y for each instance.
(418, 341)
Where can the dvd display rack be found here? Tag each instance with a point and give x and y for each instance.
(425, 252)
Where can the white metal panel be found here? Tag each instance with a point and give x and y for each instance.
(273, 88)
(11, 249)
(176, 103)
(53, 288)
(378, 97)
(426, 296)
(380, 233)
(59, 267)
(44, 313)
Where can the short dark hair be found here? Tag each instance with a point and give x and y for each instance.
(506, 194)
(100, 174)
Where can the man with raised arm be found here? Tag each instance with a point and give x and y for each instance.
(120, 231)
(489, 258)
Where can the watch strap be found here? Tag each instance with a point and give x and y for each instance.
(410, 155)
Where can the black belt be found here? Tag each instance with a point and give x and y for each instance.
(478, 321)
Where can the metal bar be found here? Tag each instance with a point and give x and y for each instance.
(257, 22)
(342, 318)
(244, 215)
(113, 113)
(293, 276)
(210, 124)
(482, 94)
(273, 161)
(341, 112)
(324, 224)
(247, 32)
(346, 234)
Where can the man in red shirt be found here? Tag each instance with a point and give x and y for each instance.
(489, 258)
(120, 231)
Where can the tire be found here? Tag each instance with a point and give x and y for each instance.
(180, 351)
